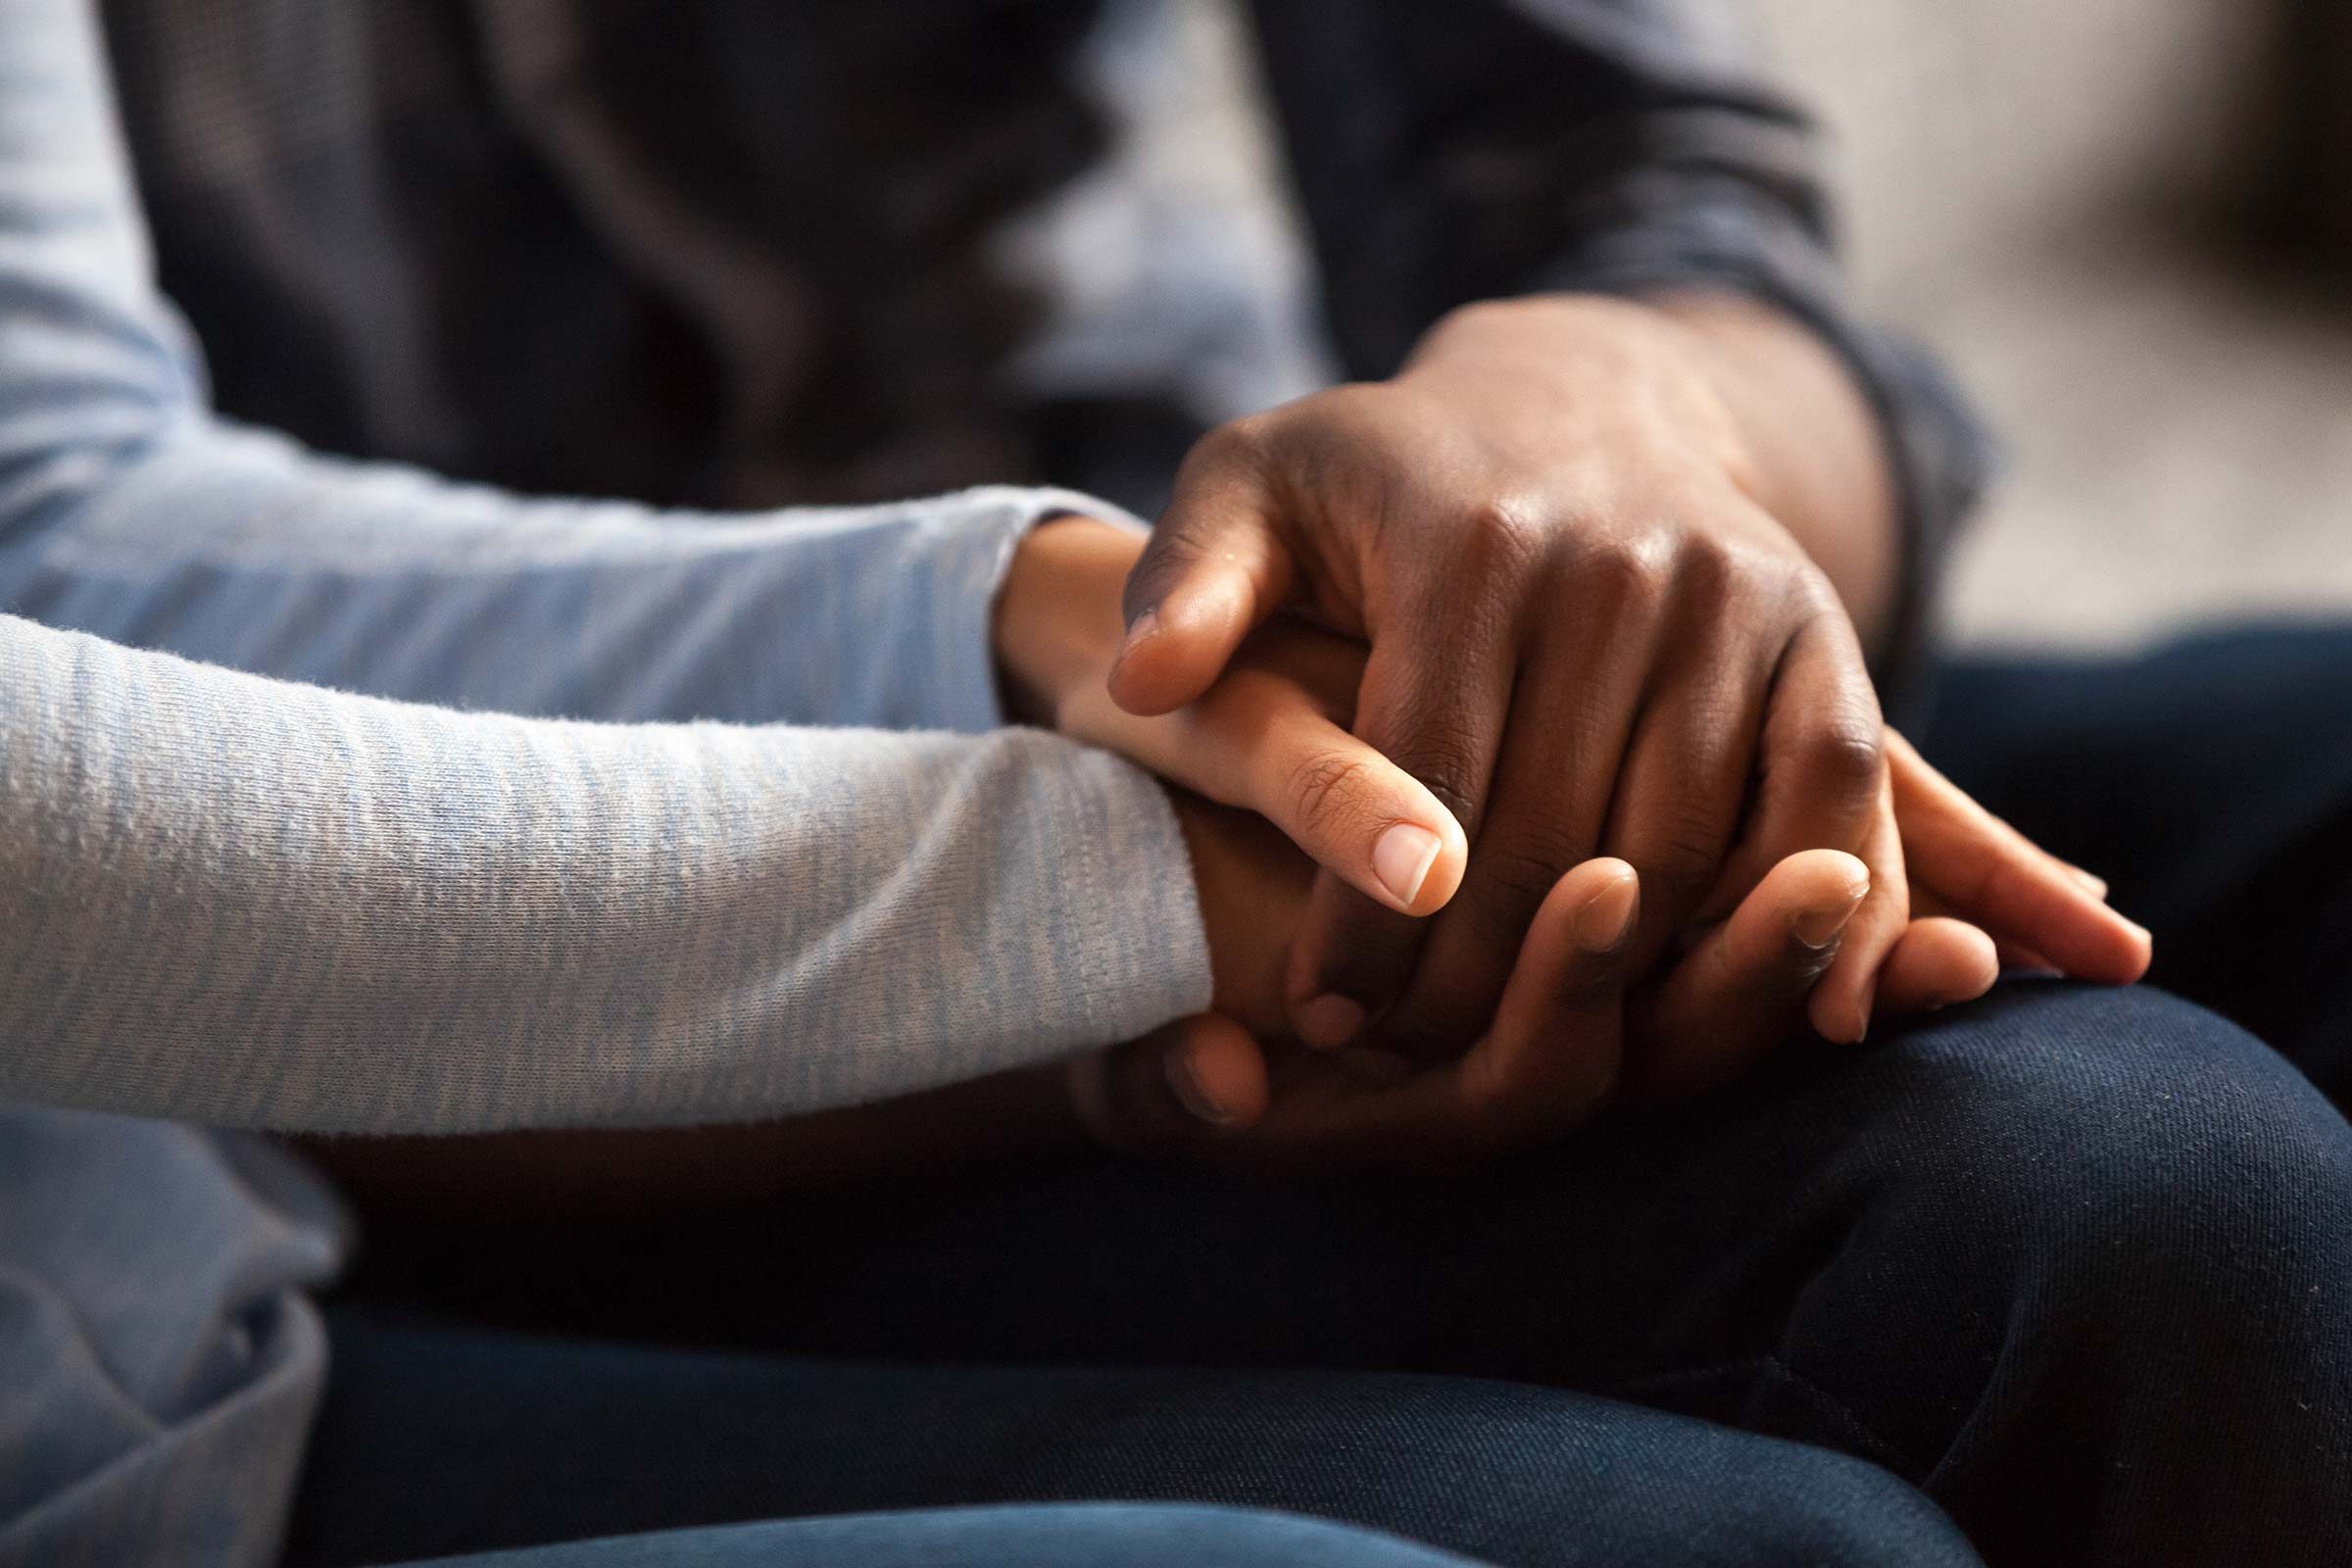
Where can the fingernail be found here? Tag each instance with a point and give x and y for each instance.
(1330, 1019)
(1401, 858)
(1818, 926)
(1185, 1086)
(2095, 886)
(1608, 917)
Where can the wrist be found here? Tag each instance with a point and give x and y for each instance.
(1822, 464)
(1577, 347)
(1056, 622)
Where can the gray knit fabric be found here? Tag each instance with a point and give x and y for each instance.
(251, 902)
(497, 821)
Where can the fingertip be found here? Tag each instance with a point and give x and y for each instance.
(1969, 959)
(1606, 894)
(1152, 675)
(1586, 919)
(1176, 648)
(2090, 882)
(1350, 947)
(2135, 951)
(1979, 967)
(1821, 878)
(1219, 1075)
(2093, 942)
(1569, 974)
(1939, 963)
(1417, 863)
(1815, 896)
(1446, 871)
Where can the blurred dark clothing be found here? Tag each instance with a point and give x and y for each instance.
(743, 251)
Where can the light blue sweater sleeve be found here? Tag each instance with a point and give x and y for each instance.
(431, 898)
(128, 511)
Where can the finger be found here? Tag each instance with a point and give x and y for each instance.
(1214, 568)
(1925, 905)
(2091, 883)
(1742, 990)
(1198, 1078)
(1346, 805)
(1574, 706)
(1821, 760)
(1939, 963)
(1552, 1057)
(1684, 787)
(1269, 738)
(1843, 1004)
(1987, 871)
(1440, 718)
(1551, 1060)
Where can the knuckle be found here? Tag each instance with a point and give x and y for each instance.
(1709, 569)
(1810, 588)
(1681, 863)
(1507, 530)
(1513, 881)
(1693, 842)
(1324, 787)
(1629, 573)
(1536, 856)
(1445, 759)
(1491, 548)
(1845, 753)
(1676, 878)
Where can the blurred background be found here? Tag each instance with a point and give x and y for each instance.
(2126, 223)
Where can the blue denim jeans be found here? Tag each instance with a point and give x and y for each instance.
(1054, 1535)
(2070, 1267)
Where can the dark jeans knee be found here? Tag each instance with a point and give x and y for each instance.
(2103, 1260)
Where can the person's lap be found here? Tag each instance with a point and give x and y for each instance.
(1061, 1535)
(2046, 1257)
(2210, 782)
(523, 1438)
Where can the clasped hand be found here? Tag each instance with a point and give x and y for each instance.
(1576, 617)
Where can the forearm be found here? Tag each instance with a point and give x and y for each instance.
(239, 549)
(248, 902)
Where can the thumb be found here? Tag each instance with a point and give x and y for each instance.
(1346, 804)
(1191, 1080)
(1212, 571)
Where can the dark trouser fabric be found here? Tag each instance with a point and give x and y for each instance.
(516, 1438)
(2211, 783)
(2074, 1264)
